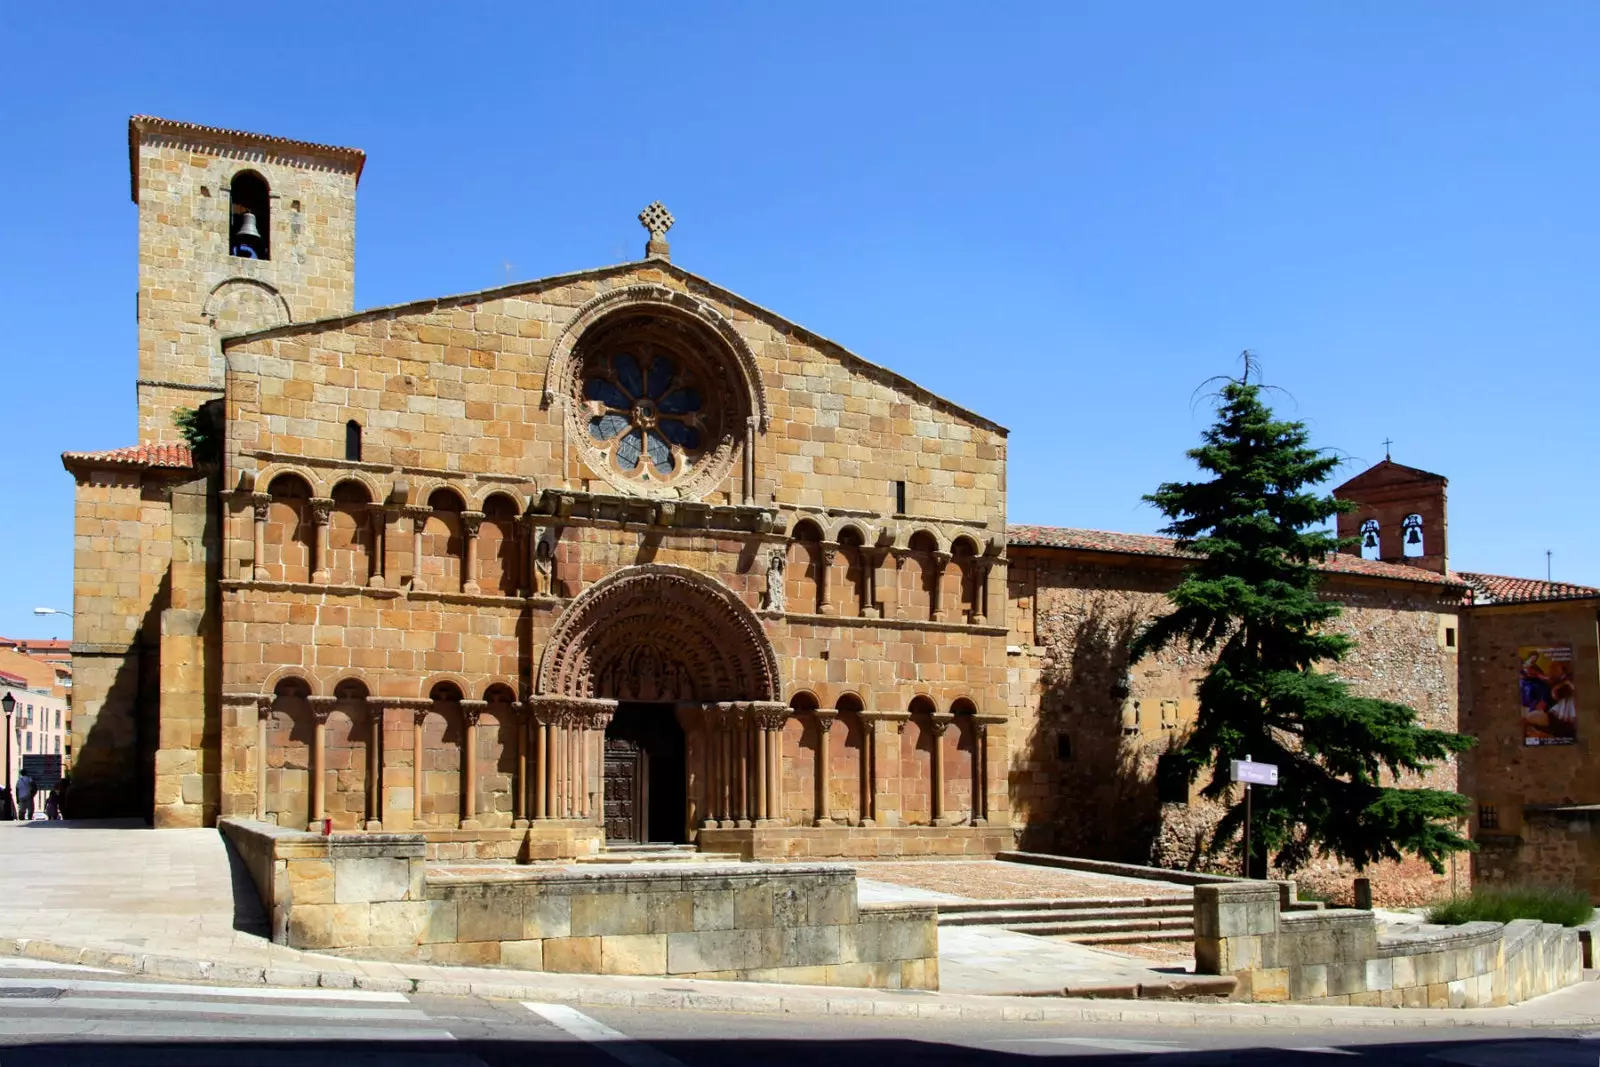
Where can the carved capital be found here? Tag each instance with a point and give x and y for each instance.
(261, 505)
(321, 509)
(940, 723)
(321, 707)
(942, 559)
(471, 710)
(417, 514)
(830, 551)
(470, 521)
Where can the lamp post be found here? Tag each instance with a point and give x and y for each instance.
(8, 703)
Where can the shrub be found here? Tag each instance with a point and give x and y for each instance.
(1500, 904)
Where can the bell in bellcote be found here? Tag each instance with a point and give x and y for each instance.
(1370, 540)
(1413, 537)
(246, 239)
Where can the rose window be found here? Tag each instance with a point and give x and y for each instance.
(646, 416)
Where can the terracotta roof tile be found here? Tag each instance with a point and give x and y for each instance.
(1500, 589)
(1153, 545)
(172, 455)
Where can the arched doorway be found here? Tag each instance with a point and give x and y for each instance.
(659, 646)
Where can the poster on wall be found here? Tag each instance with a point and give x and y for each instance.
(1549, 704)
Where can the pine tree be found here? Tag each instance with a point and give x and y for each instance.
(1272, 691)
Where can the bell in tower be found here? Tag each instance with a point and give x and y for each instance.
(246, 238)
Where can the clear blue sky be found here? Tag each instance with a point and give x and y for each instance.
(1064, 216)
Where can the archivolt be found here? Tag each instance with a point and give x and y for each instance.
(659, 632)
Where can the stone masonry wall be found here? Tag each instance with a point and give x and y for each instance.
(1515, 784)
(1090, 728)
(191, 291)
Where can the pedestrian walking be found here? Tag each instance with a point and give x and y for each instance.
(62, 788)
(24, 796)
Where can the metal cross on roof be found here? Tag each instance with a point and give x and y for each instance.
(1386, 441)
(657, 219)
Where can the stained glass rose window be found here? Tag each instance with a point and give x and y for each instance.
(645, 414)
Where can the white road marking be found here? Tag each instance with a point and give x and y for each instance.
(246, 992)
(203, 1029)
(1107, 1044)
(19, 963)
(68, 1004)
(614, 1043)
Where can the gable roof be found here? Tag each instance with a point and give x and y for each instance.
(138, 125)
(1388, 472)
(697, 286)
(1501, 589)
(174, 456)
(1019, 536)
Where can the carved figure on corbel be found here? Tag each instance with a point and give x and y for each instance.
(776, 595)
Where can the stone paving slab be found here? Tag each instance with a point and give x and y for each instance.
(999, 880)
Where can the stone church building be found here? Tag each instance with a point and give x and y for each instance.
(613, 556)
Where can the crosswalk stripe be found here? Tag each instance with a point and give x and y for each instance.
(69, 1004)
(245, 992)
(203, 1029)
(20, 963)
(614, 1043)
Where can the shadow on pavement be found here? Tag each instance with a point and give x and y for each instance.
(560, 1052)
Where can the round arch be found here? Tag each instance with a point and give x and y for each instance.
(659, 632)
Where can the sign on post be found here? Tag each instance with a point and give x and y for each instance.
(1252, 773)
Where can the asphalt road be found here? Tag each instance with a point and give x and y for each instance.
(65, 1016)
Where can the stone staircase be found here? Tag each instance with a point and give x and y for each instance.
(1089, 921)
(657, 853)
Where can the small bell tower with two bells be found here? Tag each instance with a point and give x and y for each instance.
(1399, 517)
(238, 231)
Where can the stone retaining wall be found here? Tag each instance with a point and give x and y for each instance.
(1339, 957)
(371, 895)
(857, 842)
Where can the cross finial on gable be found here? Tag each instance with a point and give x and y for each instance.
(658, 220)
(1386, 444)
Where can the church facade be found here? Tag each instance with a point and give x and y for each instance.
(615, 557)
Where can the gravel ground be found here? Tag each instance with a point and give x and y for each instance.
(997, 880)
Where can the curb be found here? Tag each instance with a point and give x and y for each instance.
(759, 998)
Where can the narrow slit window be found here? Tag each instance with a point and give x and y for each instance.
(352, 441)
(899, 498)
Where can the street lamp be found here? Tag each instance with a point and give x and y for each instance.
(8, 704)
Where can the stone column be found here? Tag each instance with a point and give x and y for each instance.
(470, 522)
(869, 771)
(941, 560)
(826, 555)
(374, 764)
(378, 520)
(419, 519)
(320, 707)
(980, 784)
(825, 717)
(260, 508)
(321, 511)
(871, 559)
(762, 735)
(936, 812)
(550, 732)
(470, 712)
(741, 742)
(418, 718)
(263, 718)
(980, 591)
(526, 537)
(752, 427)
(519, 791)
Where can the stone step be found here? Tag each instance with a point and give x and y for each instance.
(1026, 920)
(964, 907)
(613, 857)
(1139, 930)
(1132, 937)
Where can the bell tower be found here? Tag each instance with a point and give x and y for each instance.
(1400, 516)
(237, 232)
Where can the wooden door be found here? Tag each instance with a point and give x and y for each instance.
(624, 785)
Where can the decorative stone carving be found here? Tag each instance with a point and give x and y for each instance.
(776, 596)
(261, 505)
(321, 509)
(470, 522)
(544, 562)
(659, 632)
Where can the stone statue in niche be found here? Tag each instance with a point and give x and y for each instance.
(544, 564)
(776, 562)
